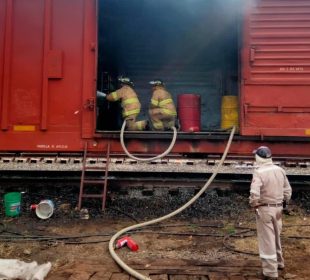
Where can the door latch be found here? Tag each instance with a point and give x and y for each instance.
(90, 104)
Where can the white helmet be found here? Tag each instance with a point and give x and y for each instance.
(156, 82)
(125, 81)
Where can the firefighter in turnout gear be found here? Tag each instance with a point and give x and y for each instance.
(130, 104)
(162, 110)
(270, 188)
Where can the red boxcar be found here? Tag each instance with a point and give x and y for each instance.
(55, 53)
(275, 96)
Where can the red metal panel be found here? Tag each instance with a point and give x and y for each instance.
(90, 68)
(64, 95)
(48, 49)
(26, 62)
(196, 146)
(55, 65)
(2, 35)
(276, 68)
(8, 10)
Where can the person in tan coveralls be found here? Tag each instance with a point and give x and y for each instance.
(130, 104)
(269, 189)
(162, 110)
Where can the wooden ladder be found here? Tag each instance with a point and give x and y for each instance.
(94, 181)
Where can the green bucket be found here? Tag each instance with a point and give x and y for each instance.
(12, 204)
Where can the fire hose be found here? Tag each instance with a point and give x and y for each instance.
(152, 158)
(121, 263)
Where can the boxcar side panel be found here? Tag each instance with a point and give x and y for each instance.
(2, 34)
(276, 69)
(26, 63)
(48, 77)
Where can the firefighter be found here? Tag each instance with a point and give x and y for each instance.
(270, 190)
(162, 110)
(130, 104)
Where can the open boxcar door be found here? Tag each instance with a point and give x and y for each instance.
(48, 74)
(275, 89)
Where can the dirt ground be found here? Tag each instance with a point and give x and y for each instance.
(202, 241)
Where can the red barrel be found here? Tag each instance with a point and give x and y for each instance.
(189, 112)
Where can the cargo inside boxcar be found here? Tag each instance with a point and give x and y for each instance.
(192, 45)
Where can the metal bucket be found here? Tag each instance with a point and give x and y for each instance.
(45, 209)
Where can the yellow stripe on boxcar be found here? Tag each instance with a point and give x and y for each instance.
(24, 128)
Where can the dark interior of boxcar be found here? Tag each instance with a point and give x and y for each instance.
(192, 45)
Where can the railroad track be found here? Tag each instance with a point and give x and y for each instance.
(73, 162)
(173, 173)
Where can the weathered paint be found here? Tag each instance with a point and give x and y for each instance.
(275, 96)
(48, 79)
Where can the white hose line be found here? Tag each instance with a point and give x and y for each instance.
(147, 159)
(133, 272)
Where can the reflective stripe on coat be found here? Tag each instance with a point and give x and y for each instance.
(129, 100)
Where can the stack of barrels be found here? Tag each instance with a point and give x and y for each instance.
(189, 112)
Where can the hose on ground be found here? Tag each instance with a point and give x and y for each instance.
(121, 263)
(152, 158)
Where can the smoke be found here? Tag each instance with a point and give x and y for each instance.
(224, 9)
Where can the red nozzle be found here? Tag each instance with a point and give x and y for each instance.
(33, 206)
(126, 240)
(121, 242)
(132, 245)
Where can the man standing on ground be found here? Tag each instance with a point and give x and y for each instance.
(270, 188)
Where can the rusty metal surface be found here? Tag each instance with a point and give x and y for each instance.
(37, 77)
(47, 77)
(276, 69)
